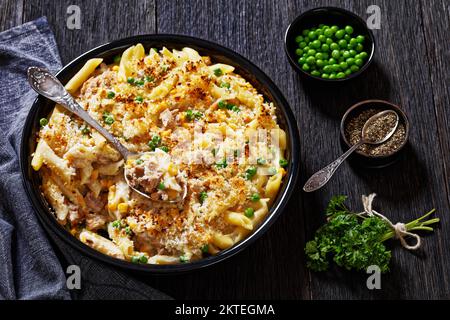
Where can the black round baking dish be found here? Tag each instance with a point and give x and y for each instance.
(41, 108)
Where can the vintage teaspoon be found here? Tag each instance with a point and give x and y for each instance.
(321, 177)
(46, 84)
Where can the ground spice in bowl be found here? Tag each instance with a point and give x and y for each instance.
(379, 129)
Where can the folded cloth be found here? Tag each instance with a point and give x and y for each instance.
(29, 266)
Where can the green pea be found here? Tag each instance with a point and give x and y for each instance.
(306, 67)
(327, 69)
(325, 55)
(329, 41)
(109, 120)
(161, 186)
(348, 29)
(340, 75)
(348, 72)
(43, 122)
(342, 43)
(320, 63)
(328, 32)
(319, 55)
(335, 67)
(299, 52)
(322, 38)
(334, 29)
(305, 32)
(135, 259)
(311, 52)
(205, 248)
(283, 163)
(325, 47)
(302, 44)
(130, 80)
(315, 44)
(335, 54)
(354, 68)
(319, 32)
(249, 212)
(353, 42)
(347, 37)
(352, 52)
(255, 197)
(359, 62)
(306, 48)
(334, 46)
(315, 73)
(363, 55)
(343, 65)
(332, 76)
(139, 99)
(110, 95)
(325, 75)
(312, 35)
(143, 259)
(332, 61)
(310, 60)
(360, 39)
(299, 39)
(346, 54)
(340, 34)
(359, 47)
(202, 197)
(302, 60)
(350, 61)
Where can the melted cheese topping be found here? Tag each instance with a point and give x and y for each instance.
(155, 102)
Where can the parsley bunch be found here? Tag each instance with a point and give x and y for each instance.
(354, 241)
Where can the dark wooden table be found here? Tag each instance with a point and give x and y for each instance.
(410, 69)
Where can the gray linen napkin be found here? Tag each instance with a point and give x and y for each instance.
(29, 267)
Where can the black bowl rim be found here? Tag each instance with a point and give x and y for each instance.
(47, 219)
(293, 62)
(389, 105)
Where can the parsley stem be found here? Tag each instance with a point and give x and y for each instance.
(417, 224)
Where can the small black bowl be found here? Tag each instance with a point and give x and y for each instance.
(372, 161)
(329, 16)
(42, 107)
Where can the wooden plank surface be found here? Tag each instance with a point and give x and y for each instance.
(410, 69)
(101, 22)
(11, 13)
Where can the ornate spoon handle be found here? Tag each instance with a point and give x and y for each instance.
(46, 84)
(321, 177)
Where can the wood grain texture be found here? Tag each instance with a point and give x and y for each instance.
(436, 23)
(101, 22)
(410, 69)
(11, 13)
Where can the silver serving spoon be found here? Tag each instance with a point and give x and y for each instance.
(321, 177)
(46, 84)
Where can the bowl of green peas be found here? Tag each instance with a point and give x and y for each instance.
(329, 44)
